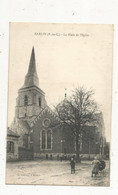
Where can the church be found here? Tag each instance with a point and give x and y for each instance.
(32, 135)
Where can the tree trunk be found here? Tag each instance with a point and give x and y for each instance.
(77, 150)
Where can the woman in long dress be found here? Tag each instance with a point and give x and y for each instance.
(95, 168)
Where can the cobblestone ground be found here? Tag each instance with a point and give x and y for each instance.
(54, 173)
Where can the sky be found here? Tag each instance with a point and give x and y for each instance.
(67, 56)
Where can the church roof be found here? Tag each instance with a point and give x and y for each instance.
(24, 125)
(11, 133)
(20, 126)
(31, 79)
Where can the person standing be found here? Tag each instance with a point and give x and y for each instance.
(95, 168)
(72, 163)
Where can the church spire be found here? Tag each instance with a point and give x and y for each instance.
(31, 79)
(32, 64)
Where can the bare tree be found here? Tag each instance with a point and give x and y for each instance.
(76, 112)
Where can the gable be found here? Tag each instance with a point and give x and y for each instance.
(46, 115)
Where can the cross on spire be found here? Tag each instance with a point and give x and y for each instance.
(65, 93)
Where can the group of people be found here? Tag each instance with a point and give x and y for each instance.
(63, 157)
(98, 165)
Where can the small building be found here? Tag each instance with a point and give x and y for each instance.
(12, 145)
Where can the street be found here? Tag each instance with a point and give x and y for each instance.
(54, 173)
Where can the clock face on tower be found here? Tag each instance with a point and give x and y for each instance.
(46, 122)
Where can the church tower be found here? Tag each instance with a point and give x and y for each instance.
(31, 99)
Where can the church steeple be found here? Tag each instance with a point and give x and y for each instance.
(31, 79)
(31, 99)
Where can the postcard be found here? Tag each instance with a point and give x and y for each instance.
(59, 104)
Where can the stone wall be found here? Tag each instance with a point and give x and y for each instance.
(25, 154)
(33, 108)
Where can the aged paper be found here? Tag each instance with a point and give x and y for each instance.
(47, 62)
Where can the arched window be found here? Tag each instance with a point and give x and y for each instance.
(10, 147)
(43, 140)
(25, 100)
(39, 101)
(49, 139)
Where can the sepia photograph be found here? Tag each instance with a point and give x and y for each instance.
(59, 104)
